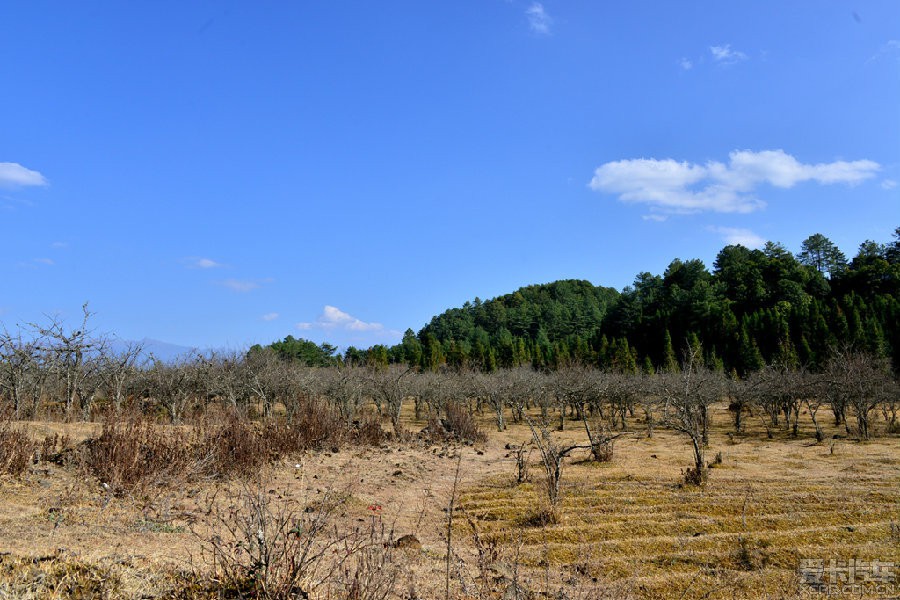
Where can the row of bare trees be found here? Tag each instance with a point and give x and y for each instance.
(50, 370)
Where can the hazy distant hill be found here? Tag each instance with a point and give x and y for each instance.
(163, 351)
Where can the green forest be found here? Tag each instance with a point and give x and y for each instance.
(755, 307)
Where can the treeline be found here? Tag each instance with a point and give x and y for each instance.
(755, 308)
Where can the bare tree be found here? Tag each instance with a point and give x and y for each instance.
(118, 369)
(267, 378)
(552, 456)
(688, 396)
(780, 391)
(19, 360)
(859, 381)
(496, 390)
(390, 389)
(173, 386)
(68, 352)
(344, 386)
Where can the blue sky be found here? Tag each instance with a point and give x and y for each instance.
(216, 174)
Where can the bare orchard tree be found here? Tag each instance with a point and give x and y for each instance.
(19, 362)
(495, 389)
(780, 391)
(344, 387)
(173, 386)
(552, 456)
(687, 398)
(430, 391)
(859, 381)
(569, 387)
(117, 370)
(267, 378)
(304, 384)
(814, 399)
(226, 380)
(92, 384)
(524, 384)
(389, 389)
(68, 353)
(622, 392)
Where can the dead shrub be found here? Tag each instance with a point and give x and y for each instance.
(752, 555)
(458, 425)
(16, 449)
(366, 429)
(131, 454)
(317, 424)
(694, 476)
(230, 445)
(263, 546)
(602, 450)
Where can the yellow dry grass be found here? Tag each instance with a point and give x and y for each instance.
(626, 529)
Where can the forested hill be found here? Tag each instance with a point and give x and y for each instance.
(755, 307)
(520, 326)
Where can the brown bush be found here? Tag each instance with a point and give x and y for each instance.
(458, 425)
(133, 453)
(229, 445)
(16, 449)
(269, 548)
(366, 430)
(319, 425)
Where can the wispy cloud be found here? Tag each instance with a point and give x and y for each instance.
(538, 19)
(59, 245)
(682, 187)
(243, 285)
(890, 48)
(685, 64)
(15, 175)
(655, 217)
(334, 318)
(270, 316)
(207, 263)
(337, 322)
(888, 184)
(37, 263)
(744, 237)
(199, 262)
(724, 55)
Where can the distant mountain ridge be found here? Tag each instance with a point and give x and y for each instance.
(160, 350)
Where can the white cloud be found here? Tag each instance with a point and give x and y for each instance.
(685, 64)
(15, 175)
(888, 184)
(199, 262)
(683, 187)
(333, 318)
(270, 316)
(724, 55)
(744, 237)
(239, 285)
(206, 263)
(538, 19)
(891, 48)
(655, 217)
(37, 263)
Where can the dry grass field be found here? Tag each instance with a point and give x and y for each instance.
(627, 528)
